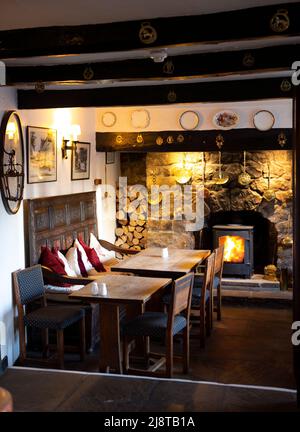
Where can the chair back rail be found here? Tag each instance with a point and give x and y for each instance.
(208, 277)
(219, 252)
(180, 298)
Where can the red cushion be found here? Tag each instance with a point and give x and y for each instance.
(92, 257)
(81, 264)
(51, 260)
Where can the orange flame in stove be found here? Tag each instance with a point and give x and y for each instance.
(234, 248)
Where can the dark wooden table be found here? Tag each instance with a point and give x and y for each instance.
(149, 262)
(131, 291)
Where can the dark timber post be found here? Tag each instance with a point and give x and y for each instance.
(296, 247)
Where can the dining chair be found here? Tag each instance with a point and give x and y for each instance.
(28, 289)
(163, 325)
(217, 282)
(201, 302)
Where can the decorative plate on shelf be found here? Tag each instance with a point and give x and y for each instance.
(189, 120)
(263, 120)
(140, 119)
(109, 119)
(226, 120)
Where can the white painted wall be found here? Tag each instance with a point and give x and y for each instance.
(11, 227)
(166, 117)
(11, 255)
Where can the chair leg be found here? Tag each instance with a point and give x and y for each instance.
(202, 327)
(125, 354)
(211, 312)
(82, 339)
(219, 303)
(60, 348)
(169, 357)
(186, 350)
(45, 336)
(22, 343)
(207, 318)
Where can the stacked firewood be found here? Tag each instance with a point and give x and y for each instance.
(131, 231)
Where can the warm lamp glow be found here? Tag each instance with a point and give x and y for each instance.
(11, 130)
(183, 171)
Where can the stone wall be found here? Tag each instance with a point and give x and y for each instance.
(160, 168)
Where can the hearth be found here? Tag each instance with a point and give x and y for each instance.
(238, 248)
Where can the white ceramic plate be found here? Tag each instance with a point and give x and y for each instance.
(140, 119)
(226, 119)
(263, 120)
(189, 120)
(109, 119)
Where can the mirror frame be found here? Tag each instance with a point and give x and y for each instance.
(3, 127)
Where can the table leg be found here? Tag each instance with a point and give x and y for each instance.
(110, 346)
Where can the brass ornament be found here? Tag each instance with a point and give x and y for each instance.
(39, 87)
(219, 141)
(88, 73)
(72, 40)
(282, 139)
(180, 138)
(172, 96)
(168, 67)
(119, 139)
(170, 139)
(270, 272)
(280, 21)
(159, 140)
(147, 33)
(139, 139)
(248, 60)
(285, 85)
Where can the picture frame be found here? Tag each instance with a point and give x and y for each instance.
(41, 154)
(110, 158)
(80, 161)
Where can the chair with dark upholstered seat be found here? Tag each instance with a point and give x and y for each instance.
(164, 326)
(28, 288)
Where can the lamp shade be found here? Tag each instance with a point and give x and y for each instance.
(76, 131)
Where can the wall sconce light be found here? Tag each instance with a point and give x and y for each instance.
(75, 132)
(11, 130)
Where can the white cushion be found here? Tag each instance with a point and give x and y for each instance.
(68, 269)
(62, 290)
(72, 259)
(104, 255)
(87, 264)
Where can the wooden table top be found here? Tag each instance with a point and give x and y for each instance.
(150, 259)
(123, 289)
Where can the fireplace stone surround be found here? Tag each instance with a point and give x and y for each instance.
(142, 168)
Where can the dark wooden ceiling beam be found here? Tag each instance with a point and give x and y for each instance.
(246, 24)
(184, 66)
(226, 91)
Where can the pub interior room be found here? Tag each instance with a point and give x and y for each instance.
(149, 220)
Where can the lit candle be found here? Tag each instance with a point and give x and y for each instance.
(165, 252)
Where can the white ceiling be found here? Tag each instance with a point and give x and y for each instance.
(42, 13)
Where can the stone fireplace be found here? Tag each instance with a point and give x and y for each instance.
(228, 203)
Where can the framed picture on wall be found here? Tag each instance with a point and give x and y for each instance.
(41, 154)
(81, 161)
(109, 158)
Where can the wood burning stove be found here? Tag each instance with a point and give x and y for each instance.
(238, 248)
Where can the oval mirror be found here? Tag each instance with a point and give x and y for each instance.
(11, 162)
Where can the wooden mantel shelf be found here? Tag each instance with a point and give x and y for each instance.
(176, 141)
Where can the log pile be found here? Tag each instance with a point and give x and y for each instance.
(131, 231)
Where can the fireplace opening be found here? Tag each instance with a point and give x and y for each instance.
(264, 236)
(234, 248)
